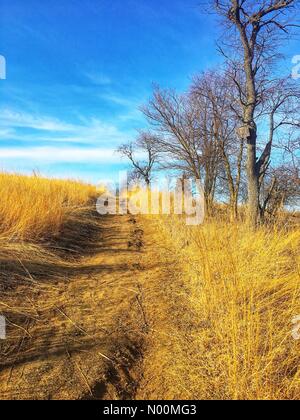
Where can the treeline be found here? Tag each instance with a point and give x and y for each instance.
(236, 128)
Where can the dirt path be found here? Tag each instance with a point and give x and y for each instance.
(89, 342)
(112, 325)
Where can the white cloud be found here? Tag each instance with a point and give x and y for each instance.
(52, 141)
(90, 131)
(61, 154)
(6, 133)
(118, 100)
(98, 78)
(10, 118)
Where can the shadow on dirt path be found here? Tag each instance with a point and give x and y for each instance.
(85, 337)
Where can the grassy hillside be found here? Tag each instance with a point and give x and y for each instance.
(230, 300)
(142, 307)
(33, 208)
(39, 220)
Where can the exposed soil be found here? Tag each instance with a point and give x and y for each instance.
(106, 325)
(89, 343)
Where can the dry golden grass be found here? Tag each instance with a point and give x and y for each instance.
(36, 212)
(33, 208)
(67, 292)
(35, 219)
(215, 302)
(237, 293)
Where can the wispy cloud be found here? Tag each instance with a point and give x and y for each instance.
(16, 119)
(99, 79)
(118, 100)
(44, 129)
(6, 133)
(61, 154)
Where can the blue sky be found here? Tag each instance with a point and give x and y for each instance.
(78, 70)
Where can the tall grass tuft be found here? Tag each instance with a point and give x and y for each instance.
(34, 208)
(244, 287)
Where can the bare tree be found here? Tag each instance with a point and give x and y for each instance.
(279, 189)
(143, 156)
(291, 149)
(185, 133)
(217, 90)
(256, 29)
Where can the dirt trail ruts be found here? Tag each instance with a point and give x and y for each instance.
(89, 344)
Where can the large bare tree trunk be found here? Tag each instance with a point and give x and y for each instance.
(258, 27)
(253, 180)
(249, 121)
